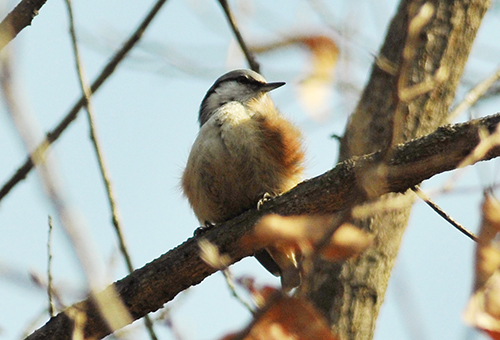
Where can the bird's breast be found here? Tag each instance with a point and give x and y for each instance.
(231, 166)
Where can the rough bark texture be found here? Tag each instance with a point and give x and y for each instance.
(150, 287)
(350, 294)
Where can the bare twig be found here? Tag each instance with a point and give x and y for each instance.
(168, 322)
(49, 269)
(230, 284)
(254, 65)
(112, 309)
(100, 157)
(443, 214)
(53, 135)
(20, 17)
(415, 27)
(406, 90)
(474, 95)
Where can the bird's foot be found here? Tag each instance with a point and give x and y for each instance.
(266, 197)
(204, 228)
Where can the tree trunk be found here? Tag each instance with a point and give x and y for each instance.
(408, 95)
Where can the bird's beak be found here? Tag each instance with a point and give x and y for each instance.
(271, 86)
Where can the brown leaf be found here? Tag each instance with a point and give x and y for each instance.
(488, 251)
(316, 87)
(483, 309)
(347, 241)
(325, 54)
(287, 318)
(301, 233)
(211, 255)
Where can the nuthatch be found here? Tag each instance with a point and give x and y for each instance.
(244, 150)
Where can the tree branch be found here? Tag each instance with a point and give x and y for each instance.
(105, 174)
(110, 67)
(443, 214)
(252, 62)
(20, 17)
(475, 94)
(148, 288)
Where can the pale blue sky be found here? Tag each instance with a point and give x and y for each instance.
(147, 119)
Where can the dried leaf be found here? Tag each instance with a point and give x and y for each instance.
(316, 88)
(211, 255)
(260, 295)
(483, 309)
(347, 241)
(488, 250)
(287, 318)
(325, 54)
(299, 234)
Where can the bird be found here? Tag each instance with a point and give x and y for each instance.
(245, 150)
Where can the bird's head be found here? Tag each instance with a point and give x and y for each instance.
(238, 85)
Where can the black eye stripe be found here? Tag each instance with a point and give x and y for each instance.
(248, 81)
(244, 80)
(240, 79)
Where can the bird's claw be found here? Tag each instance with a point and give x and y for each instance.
(266, 197)
(204, 228)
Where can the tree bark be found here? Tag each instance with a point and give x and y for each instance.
(408, 95)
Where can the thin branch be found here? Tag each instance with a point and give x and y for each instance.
(443, 214)
(270, 301)
(51, 307)
(406, 90)
(20, 17)
(149, 288)
(475, 94)
(252, 62)
(53, 135)
(232, 288)
(114, 313)
(100, 157)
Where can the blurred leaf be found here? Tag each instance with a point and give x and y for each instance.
(286, 318)
(316, 87)
(300, 234)
(483, 310)
(211, 255)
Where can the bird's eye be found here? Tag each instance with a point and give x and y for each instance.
(243, 80)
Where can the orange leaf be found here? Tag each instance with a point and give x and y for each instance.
(316, 87)
(300, 234)
(287, 318)
(483, 309)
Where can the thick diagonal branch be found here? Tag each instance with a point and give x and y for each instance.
(149, 288)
